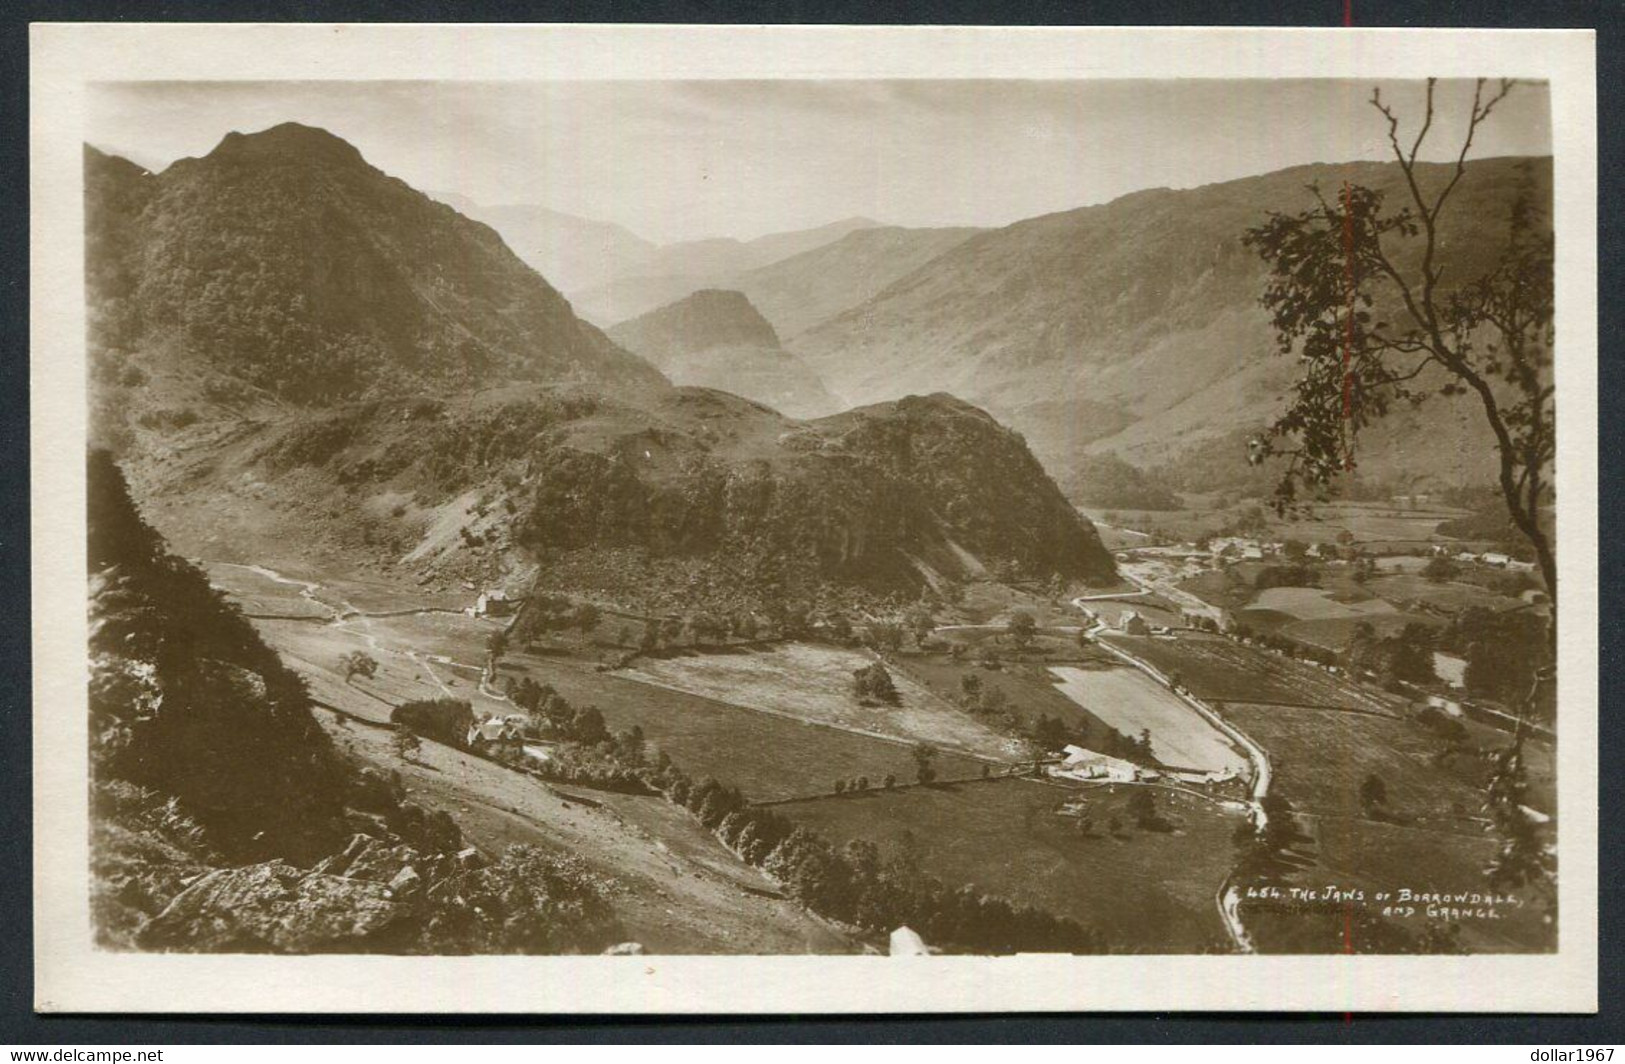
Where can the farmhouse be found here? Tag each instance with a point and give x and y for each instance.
(1500, 561)
(1132, 623)
(493, 603)
(1085, 764)
(496, 735)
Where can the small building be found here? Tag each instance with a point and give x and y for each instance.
(906, 942)
(1500, 561)
(1133, 624)
(1084, 764)
(494, 603)
(496, 735)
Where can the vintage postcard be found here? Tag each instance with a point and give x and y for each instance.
(665, 519)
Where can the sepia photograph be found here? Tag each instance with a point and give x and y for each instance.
(1116, 518)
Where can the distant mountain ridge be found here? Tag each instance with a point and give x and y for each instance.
(801, 291)
(571, 252)
(1134, 327)
(717, 339)
(283, 265)
(677, 270)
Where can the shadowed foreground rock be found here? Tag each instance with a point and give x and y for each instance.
(274, 908)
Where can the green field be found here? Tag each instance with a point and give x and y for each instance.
(765, 756)
(1030, 692)
(1214, 668)
(1132, 702)
(1150, 892)
(814, 683)
(1450, 596)
(1320, 757)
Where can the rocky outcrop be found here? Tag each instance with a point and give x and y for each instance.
(275, 908)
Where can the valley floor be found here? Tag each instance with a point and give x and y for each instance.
(779, 723)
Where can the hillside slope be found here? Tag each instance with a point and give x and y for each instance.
(700, 497)
(1134, 327)
(571, 252)
(676, 270)
(717, 339)
(281, 266)
(227, 818)
(803, 290)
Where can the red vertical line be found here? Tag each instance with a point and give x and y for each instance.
(1348, 12)
(1348, 321)
(1348, 946)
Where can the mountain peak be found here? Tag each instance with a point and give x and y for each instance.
(288, 139)
(710, 317)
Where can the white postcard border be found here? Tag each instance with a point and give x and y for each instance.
(73, 976)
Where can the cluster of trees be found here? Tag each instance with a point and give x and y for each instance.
(1262, 856)
(1108, 481)
(856, 885)
(445, 720)
(873, 684)
(1407, 655)
(1290, 575)
(1142, 805)
(1440, 569)
(1503, 650)
(1053, 733)
(1291, 647)
(544, 613)
(980, 696)
(587, 751)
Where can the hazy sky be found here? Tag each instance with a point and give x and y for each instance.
(682, 160)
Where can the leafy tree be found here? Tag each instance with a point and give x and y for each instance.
(1440, 569)
(887, 635)
(925, 767)
(1022, 629)
(1295, 550)
(358, 663)
(1143, 804)
(496, 644)
(588, 617)
(1340, 270)
(874, 683)
(406, 743)
(891, 781)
